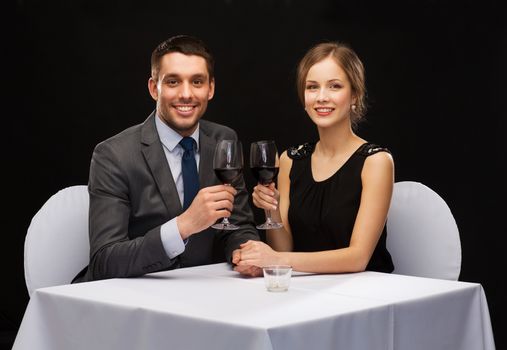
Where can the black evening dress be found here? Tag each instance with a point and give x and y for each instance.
(322, 213)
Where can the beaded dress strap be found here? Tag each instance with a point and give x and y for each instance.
(301, 151)
(370, 148)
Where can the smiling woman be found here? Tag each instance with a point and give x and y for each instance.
(328, 94)
(333, 194)
(342, 67)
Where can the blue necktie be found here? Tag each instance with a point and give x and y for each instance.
(189, 171)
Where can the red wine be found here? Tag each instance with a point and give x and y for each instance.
(265, 175)
(228, 175)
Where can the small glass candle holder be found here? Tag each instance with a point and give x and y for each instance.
(277, 277)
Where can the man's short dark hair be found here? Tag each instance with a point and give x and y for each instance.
(186, 45)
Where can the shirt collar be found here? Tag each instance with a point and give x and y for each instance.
(170, 138)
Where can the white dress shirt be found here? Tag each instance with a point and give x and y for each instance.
(169, 233)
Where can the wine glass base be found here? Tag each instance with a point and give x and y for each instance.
(226, 227)
(269, 226)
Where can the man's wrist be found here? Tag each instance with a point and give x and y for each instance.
(183, 227)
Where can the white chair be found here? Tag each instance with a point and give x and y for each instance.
(56, 244)
(422, 235)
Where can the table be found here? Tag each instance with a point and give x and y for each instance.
(213, 307)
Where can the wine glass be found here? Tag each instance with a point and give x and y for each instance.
(228, 166)
(264, 163)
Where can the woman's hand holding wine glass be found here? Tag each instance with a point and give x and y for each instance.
(264, 163)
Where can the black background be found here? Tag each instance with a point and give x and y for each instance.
(78, 71)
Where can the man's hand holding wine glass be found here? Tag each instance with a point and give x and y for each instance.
(228, 166)
(209, 205)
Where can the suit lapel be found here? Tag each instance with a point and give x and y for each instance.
(157, 162)
(207, 149)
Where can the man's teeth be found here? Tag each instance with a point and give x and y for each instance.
(184, 108)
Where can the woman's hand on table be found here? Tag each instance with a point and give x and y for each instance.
(256, 253)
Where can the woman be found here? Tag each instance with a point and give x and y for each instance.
(333, 195)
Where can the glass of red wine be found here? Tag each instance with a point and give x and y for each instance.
(264, 164)
(228, 166)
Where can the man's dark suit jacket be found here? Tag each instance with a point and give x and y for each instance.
(132, 193)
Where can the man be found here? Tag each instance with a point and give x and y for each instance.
(143, 213)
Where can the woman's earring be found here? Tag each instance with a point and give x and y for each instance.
(353, 107)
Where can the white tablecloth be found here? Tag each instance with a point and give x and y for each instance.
(211, 307)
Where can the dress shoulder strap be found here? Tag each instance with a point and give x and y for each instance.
(302, 151)
(370, 148)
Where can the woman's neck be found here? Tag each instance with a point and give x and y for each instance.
(336, 140)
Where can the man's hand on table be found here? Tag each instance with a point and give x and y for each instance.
(247, 270)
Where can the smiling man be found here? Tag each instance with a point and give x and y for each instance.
(153, 191)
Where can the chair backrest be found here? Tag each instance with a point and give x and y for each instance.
(56, 244)
(422, 235)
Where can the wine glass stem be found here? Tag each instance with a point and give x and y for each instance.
(268, 216)
(225, 220)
